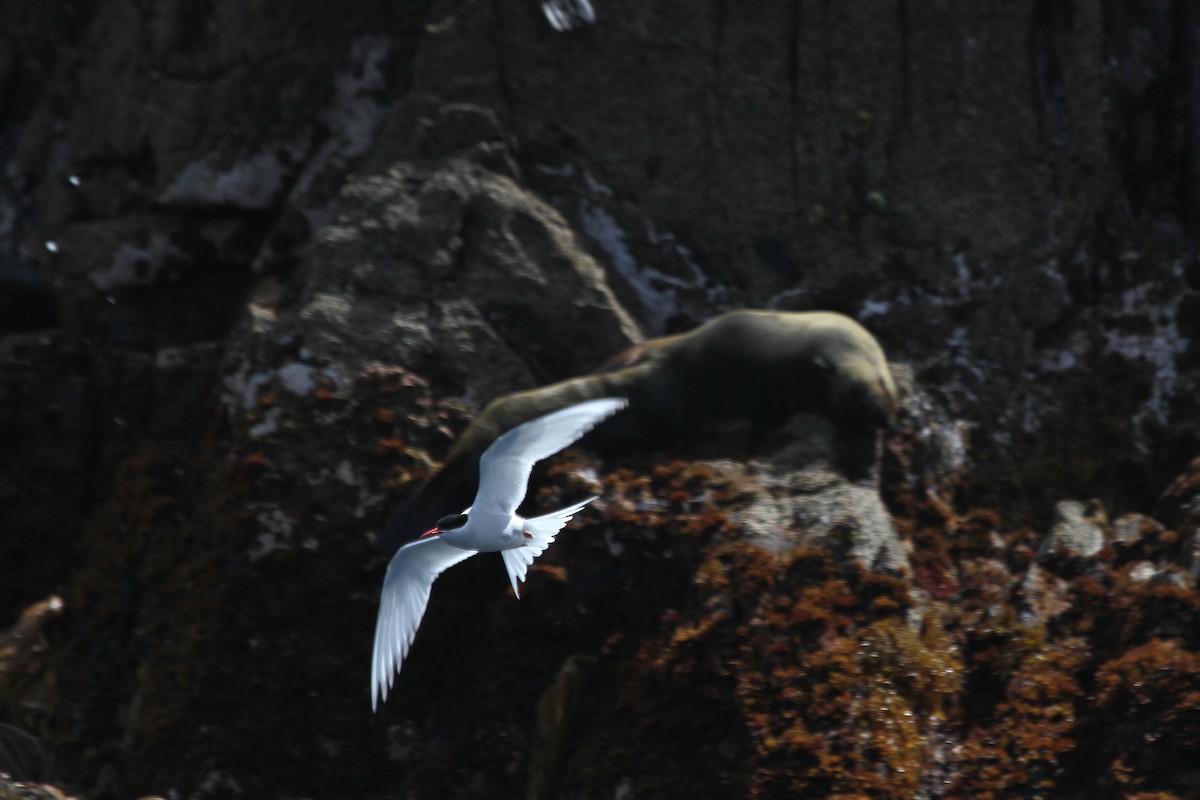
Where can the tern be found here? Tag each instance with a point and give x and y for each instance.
(489, 524)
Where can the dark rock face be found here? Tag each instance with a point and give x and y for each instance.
(294, 248)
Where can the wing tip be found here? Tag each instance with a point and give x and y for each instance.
(612, 405)
(599, 410)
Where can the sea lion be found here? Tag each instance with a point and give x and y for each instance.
(763, 366)
(767, 366)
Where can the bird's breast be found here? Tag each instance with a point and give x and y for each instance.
(493, 536)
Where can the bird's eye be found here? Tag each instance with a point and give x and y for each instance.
(451, 522)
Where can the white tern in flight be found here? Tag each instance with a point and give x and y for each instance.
(490, 524)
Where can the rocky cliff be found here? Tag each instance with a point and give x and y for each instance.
(261, 263)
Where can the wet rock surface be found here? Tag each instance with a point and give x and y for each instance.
(292, 251)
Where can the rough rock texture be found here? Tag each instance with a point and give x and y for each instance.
(1078, 529)
(293, 248)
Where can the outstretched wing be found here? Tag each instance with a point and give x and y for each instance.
(410, 575)
(505, 466)
(567, 15)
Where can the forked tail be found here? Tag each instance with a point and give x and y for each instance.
(542, 531)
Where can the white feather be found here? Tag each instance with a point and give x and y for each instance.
(410, 575)
(542, 531)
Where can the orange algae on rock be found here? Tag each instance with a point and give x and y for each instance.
(1021, 742)
(1149, 701)
(838, 692)
(782, 672)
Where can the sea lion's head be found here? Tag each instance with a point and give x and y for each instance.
(863, 393)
